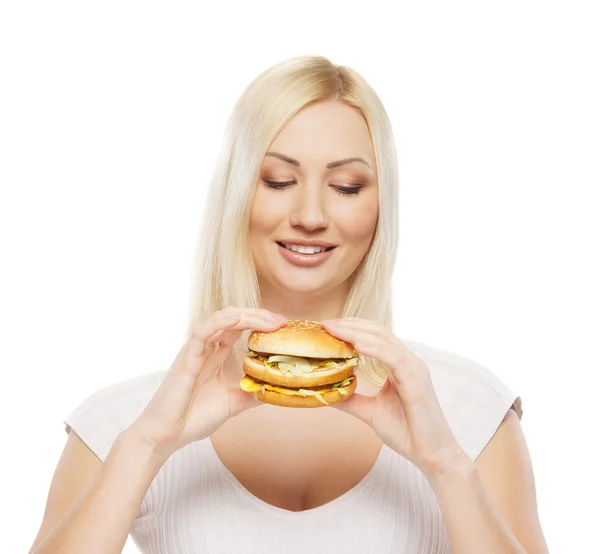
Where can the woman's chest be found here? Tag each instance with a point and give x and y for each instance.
(195, 505)
(297, 466)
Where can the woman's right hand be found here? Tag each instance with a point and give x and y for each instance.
(194, 400)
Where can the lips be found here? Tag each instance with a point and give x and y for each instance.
(304, 260)
(307, 249)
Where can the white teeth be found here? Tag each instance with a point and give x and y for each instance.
(305, 249)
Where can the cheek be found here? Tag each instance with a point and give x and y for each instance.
(264, 214)
(358, 221)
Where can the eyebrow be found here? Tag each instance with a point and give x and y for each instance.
(330, 165)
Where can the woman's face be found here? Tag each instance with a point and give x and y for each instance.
(322, 200)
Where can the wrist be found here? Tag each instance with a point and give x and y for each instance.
(136, 442)
(455, 465)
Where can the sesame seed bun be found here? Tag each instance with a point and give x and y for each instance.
(304, 339)
(301, 338)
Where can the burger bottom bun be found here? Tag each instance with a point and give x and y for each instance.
(318, 378)
(289, 401)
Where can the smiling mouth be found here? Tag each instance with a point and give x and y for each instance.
(305, 249)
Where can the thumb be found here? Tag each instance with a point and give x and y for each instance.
(359, 406)
(240, 401)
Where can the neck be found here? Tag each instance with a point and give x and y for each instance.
(308, 306)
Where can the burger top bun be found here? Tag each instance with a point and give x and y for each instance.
(301, 338)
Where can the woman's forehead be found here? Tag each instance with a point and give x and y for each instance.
(321, 135)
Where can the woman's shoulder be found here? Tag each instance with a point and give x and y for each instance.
(100, 417)
(473, 398)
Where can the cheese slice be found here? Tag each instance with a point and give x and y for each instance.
(248, 384)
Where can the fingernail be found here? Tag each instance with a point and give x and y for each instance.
(279, 317)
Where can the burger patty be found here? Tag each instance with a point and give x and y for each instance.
(250, 384)
(255, 384)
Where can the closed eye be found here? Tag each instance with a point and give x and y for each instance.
(341, 190)
(275, 185)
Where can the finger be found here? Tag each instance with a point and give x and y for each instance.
(376, 341)
(202, 333)
(369, 344)
(191, 357)
(409, 375)
(258, 320)
(358, 336)
(248, 318)
(260, 312)
(345, 326)
(240, 401)
(216, 336)
(366, 325)
(226, 337)
(229, 337)
(357, 328)
(212, 365)
(359, 406)
(217, 351)
(356, 321)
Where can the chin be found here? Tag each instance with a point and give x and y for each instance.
(309, 284)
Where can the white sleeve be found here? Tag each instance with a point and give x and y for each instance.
(103, 415)
(473, 399)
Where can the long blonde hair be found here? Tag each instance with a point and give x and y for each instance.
(225, 274)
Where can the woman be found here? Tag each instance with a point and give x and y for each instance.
(185, 461)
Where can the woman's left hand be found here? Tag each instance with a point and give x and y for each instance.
(405, 414)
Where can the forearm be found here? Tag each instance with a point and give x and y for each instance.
(101, 519)
(473, 524)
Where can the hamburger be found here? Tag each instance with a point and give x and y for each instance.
(300, 365)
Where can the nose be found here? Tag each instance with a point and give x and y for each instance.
(309, 210)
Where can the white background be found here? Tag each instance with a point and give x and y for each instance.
(110, 119)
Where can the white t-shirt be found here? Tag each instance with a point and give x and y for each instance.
(196, 505)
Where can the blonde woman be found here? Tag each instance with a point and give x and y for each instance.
(426, 457)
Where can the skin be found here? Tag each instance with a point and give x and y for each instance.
(405, 414)
(313, 209)
(266, 445)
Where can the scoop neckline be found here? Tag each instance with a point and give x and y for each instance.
(318, 511)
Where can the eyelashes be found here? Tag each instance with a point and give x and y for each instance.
(344, 191)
